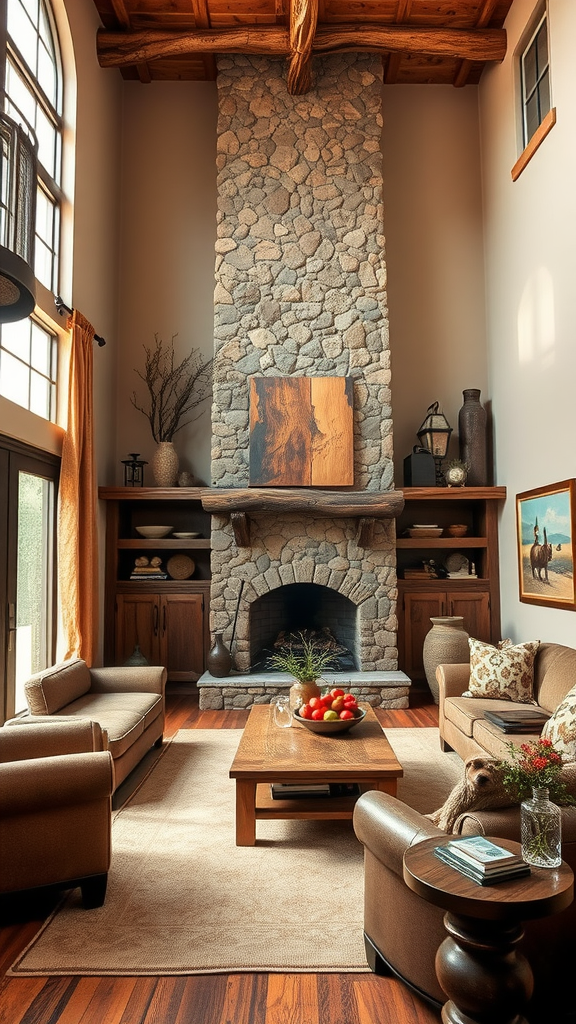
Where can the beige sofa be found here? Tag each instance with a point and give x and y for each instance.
(462, 725)
(127, 702)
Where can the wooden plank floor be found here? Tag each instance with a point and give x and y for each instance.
(205, 999)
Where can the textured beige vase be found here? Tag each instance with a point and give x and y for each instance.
(445, 644)
(165, 464)
(300, 693)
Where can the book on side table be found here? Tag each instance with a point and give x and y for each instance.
(482, 861)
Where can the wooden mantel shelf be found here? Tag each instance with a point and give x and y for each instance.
(366, 506)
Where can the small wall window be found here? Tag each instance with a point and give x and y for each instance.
(535, 76)
(535, 112)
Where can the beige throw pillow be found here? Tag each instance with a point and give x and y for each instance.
(560, 728)
(505, 672)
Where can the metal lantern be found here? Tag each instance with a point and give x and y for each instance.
(434, 435)
(134, 470)
(18, 184)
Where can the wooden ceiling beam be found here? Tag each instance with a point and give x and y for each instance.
(202, 19)
(303, 22)
(484, 18)
(121, 49)
(394, 60)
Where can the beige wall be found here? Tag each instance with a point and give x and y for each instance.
(433, 229)
(531, 299)
(434, 250)
(168, 230)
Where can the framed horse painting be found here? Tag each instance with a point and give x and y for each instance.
(546, 531)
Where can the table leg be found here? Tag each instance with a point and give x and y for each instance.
(245, 812)
(389, 786)
(482, 973)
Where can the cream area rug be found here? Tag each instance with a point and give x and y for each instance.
(184, 899)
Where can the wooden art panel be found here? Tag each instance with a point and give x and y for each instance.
(301, 432)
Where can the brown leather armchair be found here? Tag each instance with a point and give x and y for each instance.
(56, 783)
(402, 932)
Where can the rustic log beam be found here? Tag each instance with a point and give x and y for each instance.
(332, 504)
(471, 44)
(303, 21)
(484, 17)
(121, 49)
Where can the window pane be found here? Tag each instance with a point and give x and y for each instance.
(46, 135)
(14, 377)
(16, 338)
(41, 350)
(530, 73)
(31, 6)
(544, 91)
(542, 48)
(532, 118)
(39, 395)
(32, 581)
(20, 96)
(43, 264)
(23, 33)
(47, 74)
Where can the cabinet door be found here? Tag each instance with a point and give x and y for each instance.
(138, 622)
(414, 624)
(474, 608)
(182, 635)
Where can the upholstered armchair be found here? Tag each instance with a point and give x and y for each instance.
(56, 782)
(402, 931)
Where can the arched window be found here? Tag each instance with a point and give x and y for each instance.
(33, 91)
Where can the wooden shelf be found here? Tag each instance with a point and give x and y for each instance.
(441, 542)
(165, 543)
(454, 493)
(150, 493)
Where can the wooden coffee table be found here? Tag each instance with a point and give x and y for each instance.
(267, 754)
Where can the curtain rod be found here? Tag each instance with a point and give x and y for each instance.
(63, 308)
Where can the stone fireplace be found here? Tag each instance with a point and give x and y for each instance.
(300, 292)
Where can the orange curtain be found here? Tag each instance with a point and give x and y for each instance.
(77, 529)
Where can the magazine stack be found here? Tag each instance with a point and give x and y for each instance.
(482, 861)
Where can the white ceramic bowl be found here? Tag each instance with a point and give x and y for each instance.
(330, 728)
(153, 532)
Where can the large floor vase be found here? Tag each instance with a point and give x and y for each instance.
(165, 464)
(445, 644)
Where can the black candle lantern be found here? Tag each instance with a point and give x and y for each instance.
(134, 470)
(434, 434)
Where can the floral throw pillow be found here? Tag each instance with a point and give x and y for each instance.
(560, 728)
(505, 672)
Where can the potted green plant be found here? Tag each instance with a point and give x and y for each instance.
(174, 394)
(305, 659)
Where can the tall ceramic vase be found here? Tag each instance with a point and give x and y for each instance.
(219, 659)
(445, 644)
(165, 464)
(472, 435)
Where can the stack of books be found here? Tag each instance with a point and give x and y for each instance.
(482, 861)
(518, 721)
(296, 790)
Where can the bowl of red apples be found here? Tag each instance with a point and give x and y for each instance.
(334, 712)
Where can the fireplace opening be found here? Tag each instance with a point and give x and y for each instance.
(303, 607)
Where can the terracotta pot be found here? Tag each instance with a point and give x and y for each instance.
(445, 644)
(165, 464)
(300, 693)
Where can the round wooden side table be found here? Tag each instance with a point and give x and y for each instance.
(478, 964)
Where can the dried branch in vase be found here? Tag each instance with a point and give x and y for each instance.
(174, 392)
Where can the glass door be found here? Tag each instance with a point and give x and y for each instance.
(27, 571)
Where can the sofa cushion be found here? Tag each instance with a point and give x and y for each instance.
(52, 689)
(123, 716)
(560, 728)
(495, 742)
(464, 713)
(554, 674)
(505, 672)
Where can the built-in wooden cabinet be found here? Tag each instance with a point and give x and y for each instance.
(475, 597)
(168, 619)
